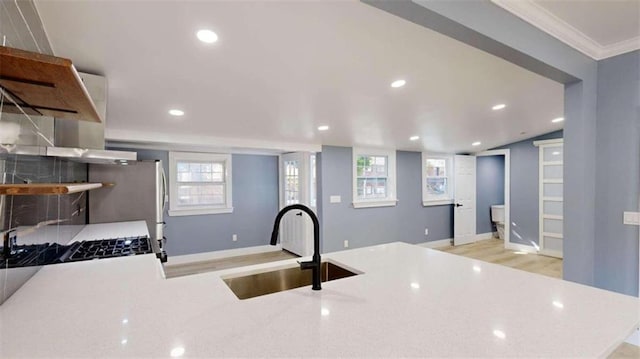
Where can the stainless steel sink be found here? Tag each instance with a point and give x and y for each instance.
(246, 286)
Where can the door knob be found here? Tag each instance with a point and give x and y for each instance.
(458, 205)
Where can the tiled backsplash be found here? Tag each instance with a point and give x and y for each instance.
(31, 210)
(26, 211)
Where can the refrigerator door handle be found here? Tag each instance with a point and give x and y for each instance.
(164, 189)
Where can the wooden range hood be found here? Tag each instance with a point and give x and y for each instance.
(44, 85)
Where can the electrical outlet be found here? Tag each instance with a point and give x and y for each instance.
(346, 243)
(632, 218)
(426, 231)
(234, 237)
(335, 199)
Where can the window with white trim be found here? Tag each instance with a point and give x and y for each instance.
(199, 183)
(437, 179)
(374, 178)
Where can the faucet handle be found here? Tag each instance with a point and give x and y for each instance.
(307, 264)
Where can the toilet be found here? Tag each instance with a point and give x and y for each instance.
(497, 217)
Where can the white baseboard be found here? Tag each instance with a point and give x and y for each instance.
(436, 244)
(197, 257)
(447, 242)
(483, 236)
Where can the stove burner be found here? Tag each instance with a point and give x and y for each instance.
(107, 248)
(43, 254)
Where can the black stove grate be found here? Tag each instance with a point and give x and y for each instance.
(107, 248)
(43, 254)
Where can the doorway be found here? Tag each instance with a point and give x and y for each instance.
(297, 186)
(506, 156)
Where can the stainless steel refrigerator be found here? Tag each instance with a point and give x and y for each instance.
(138, 193)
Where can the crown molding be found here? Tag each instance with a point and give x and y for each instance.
(546, 21)
(621, 47)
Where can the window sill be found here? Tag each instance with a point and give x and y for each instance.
(197, 212)
(440, 202)
(371, 204)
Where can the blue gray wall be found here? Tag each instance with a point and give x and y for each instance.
(618, 172)
(489, 190)
(255, 205)
(524, 193)
(368, 226)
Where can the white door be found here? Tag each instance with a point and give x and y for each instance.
(464, 218)
(297, 187)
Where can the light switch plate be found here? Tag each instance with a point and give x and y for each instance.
(335, 199)
(632, 218)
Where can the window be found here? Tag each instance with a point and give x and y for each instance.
(199, 183)
(437, 180)
(291, 182)
(374, 178)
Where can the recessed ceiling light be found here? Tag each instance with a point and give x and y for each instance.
(176, 112)
(499, 333)
(499, 107)
(324, 312)
(123, 341)
(415, 285)
(323, 128)
(477, 143)
(398, 83)
(556, 120)
(414, 138)
(477, 268)
(207, 36)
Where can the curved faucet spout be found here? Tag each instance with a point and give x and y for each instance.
(314, 264)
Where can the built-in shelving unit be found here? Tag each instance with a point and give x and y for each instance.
(551, 205)
(47, 188)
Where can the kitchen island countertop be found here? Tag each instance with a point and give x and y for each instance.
(408, 301)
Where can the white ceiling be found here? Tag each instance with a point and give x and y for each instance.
(598, 28)
(280, 69)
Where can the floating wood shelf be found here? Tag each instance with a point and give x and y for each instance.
(46, 188)
(44, 85)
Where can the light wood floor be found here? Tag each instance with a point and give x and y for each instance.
(492, 250)
(178, 270)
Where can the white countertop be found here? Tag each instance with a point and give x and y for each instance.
(95, 231)
(410, 301)
(65, 234)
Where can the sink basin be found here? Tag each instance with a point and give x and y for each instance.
(251, 285)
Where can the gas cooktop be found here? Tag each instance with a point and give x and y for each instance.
(52, 253)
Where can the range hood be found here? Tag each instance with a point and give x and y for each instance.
(50, 109)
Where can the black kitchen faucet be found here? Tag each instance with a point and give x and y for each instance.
(314, 263)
